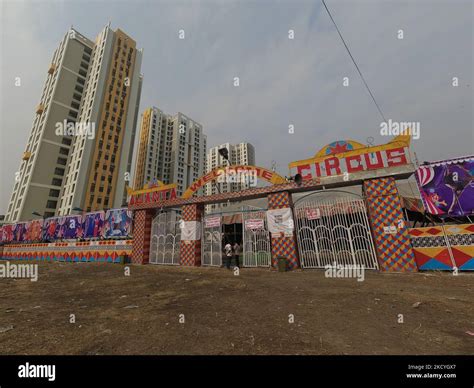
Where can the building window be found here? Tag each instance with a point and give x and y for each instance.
(54, 193)
(56, 182)
(51, 204)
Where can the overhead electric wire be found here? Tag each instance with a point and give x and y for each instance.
(353, 60)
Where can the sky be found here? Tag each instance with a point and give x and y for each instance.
(282, 81)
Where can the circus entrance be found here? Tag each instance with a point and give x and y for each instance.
(333, 228)
(247, 227)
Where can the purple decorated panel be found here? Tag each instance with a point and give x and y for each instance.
(118, 223)
(93, 224)
(19, 232)
(447, 187)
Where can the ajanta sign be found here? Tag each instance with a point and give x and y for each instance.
(350, 157)
(153, 194)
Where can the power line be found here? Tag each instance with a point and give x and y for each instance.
(355, 63)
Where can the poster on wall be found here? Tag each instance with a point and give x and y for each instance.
(117, 223)
(33, 231)
(93, 224)
(7, 233)
(49, 228)
(19, 231)
(447, 187)
(70, 227)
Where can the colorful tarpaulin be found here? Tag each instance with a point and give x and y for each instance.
(93, 224)
(447, 187)
(117, 223)
(33, 231)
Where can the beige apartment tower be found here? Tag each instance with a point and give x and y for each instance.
(79, 152)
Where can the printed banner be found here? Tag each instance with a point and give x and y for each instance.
(254, 224)
(93, 224)
(70, 227)
(33, 231)
(280, 221)
(19, 231)
(117, 223)
(50, 228)
(313, 214)
(212, 221)
(7, 231)
(447, 188)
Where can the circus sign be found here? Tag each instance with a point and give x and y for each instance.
(346, 157)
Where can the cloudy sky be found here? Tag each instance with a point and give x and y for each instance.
(282, 81)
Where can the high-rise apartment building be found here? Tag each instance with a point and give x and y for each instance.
(239, 154)
(172, 149)
(81, 142)
(98, 166)
(40, 177)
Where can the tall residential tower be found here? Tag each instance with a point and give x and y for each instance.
(172, 149)
(40, 177)
(239, 154)
(99, 165)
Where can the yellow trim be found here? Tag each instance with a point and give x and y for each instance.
(130, 191)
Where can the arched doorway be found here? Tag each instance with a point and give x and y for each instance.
(333, 228)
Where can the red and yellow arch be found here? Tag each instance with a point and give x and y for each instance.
(263, 173)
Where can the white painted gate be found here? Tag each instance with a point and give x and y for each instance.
(332, 227)
(256, 239)
(165, 238)
(211, 253)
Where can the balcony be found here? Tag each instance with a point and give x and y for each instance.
(39, 109)
(52, 68)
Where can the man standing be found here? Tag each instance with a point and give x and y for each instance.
(228, 254)
(237, 254)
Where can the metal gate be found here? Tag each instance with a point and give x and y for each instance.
(256, 245)
(332, 227)
(165, 238)
(212, 242)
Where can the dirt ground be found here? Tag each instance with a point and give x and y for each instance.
(228, 314)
